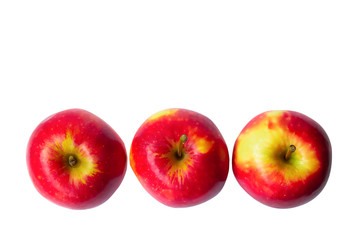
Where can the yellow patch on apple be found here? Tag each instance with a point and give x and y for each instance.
(65, 147)
(203, 145)
(265, 146)
(162, 113)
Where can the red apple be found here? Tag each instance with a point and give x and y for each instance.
(180, 157)
(282, 158)
(75, 159)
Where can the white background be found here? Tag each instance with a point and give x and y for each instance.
(125, 60)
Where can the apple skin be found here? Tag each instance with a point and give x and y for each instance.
(99, 153)
(259, 163)
(197, 176)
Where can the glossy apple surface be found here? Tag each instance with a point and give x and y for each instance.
(75, 159)
(282, 158)
(185, 177)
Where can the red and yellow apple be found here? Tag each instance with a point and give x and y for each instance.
(180, 157)
(282, 158)
(75, 159)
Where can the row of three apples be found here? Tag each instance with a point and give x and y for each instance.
(281, 158)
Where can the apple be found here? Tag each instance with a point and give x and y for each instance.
(75, 159)
(180, 157)
(282, 158)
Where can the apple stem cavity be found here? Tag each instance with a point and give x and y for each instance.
(182, 140)
(290, 150)
(72, 161)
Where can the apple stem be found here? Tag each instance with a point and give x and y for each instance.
(182, 140)
(72, 161)
(290, 150)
